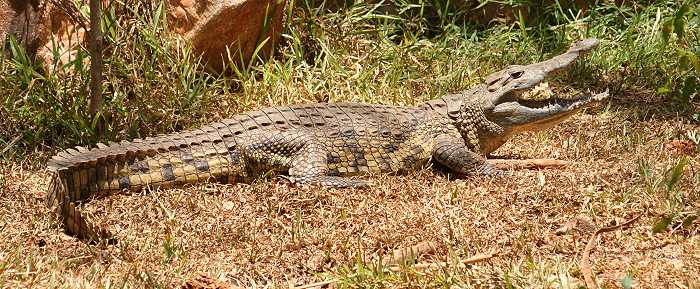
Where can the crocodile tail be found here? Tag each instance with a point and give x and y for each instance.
(79, 174)
(75, 222)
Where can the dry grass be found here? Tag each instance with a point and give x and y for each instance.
(538, 222)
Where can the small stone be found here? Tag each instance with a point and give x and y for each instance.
(228, 205)
(179, 13)
(187, 3)
(580, 223)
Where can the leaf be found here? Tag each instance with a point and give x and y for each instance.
(679, 20)
(156, 17)
(661, 225)
(666, 30)
(690, 86)
(663, 90)
(675, 173)
(627, 281)
(689, 220)
(509, 283)
(684, 62)
(691, 58)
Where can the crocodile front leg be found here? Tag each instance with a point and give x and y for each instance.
(452, 152)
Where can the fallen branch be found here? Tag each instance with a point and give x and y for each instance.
(11, 144)
(401, 255)
(586, 256)
(206, 282)
(527, 164)
(317, 284)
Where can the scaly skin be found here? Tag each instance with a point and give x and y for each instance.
(319, 144)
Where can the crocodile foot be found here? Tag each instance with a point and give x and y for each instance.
(328, 181)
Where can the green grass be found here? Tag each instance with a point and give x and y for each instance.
(417, 51)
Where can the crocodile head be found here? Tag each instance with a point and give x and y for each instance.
(503, 105)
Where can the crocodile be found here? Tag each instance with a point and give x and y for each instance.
(321, 143)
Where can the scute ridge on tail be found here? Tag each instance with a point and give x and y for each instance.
(77, 174)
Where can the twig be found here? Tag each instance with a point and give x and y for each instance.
(527, 164)
(400, 255)
(95, 101)
(12, 143)
(204, 281)
(317, 284)
(585, 258)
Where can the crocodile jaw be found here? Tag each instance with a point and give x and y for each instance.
(522, 115)
(515, 116)
(504, 105)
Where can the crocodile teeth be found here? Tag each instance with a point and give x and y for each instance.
(542, 112)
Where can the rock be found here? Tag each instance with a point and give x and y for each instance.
(184, 14)
(64, 37)
(239, 26)
(6, 16)
(22, 19)
(213, 27)
(35, 24)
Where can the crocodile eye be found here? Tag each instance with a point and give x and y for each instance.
(516, 74)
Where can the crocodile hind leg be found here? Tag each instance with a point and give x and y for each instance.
(310, 167)
(297, 153)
